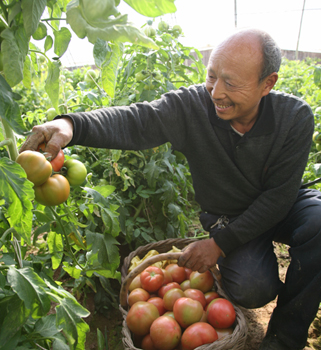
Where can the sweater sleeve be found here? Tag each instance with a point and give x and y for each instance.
(283, 180)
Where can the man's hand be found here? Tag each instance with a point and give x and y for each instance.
(56, 134)
(200, 256)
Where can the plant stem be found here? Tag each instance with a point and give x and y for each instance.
(72, 255)
(138, 210)
(5, 142)
(12, 148)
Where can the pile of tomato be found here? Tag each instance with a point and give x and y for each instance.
(176, 309)
(52, 180)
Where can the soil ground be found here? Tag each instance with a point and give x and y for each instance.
(110, 323)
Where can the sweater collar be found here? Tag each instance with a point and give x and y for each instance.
(264, 124)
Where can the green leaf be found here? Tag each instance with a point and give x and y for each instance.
(59, 343)
(73, 271)
(32, 11)
(46, 326)
(105, 190)
(56, 247)
(62, 40)
(9, 108)
(27, 73)
(114, 29)
(31, 289)
(152, 171)
(106, 247)
(110, 69)
(152, 8)
(48, 43)
(100, 51)
(100, 340)
(18, 193)
(52, 83)
(16, 314)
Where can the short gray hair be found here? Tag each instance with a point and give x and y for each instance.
(271, 52)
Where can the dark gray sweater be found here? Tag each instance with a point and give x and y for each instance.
(255, 177)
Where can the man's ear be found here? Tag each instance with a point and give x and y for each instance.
(269, 82)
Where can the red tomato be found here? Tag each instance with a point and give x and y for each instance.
(147, 343)
(169, 313)
(171, 296)
(187, 311)
(202, 281)
(187, 272)
(198, 334)
(195, 294)
(220, 313)
(159, 303)
(162, 290)
(138, 294)
(135, 283)
(58, 161)
(36, 166)
(177, 272)
(53, 192)
(209, 296)
(167, 277)
(223, 332)
(152, 278)
(185, 284)
(165, 333)
(141, 316)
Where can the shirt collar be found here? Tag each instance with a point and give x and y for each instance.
(264, 124)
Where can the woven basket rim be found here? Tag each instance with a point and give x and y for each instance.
(235, 341)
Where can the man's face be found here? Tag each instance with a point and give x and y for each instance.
(233, 80)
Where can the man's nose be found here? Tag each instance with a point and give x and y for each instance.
(218, 91)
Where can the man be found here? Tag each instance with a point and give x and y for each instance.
(247, 147)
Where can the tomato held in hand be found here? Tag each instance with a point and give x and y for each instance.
(58, 161)
(53, 192)
(76, 172)
(152, 278)
(36, 166)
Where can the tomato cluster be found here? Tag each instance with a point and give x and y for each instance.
(176, 308)
(51, 188)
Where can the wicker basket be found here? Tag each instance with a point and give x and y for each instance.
(235, 341)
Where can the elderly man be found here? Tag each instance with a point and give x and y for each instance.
(247, 147)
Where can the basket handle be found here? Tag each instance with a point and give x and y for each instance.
(140, 268)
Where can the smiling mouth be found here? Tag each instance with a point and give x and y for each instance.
(222, 106)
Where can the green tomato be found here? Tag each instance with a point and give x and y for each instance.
(149, 31)
(36, 166)
(90, 77)
(53, 192)
(40, 32)
(318, 147)
(163, 26)
(51, 113)
(141, 76)
(177, 28)
(76, 172)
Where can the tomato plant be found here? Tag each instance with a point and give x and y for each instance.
(76, 172)
(53, 192)
(36, 166)
(187, 311)
(198, 334)
(141, 316)
(220, 313)
(202, 281)
(58, 161)
(165, 333)
(152, 278)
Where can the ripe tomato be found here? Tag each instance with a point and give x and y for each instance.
(198, 334)
(187, 311)
(171, 296)
(167, 277)
(138, 294)
(152, 278)
(209, 296)
(195, 294)
(141, 316)
(165, 333)
(202, 281)
(162, 290)
(177, 272)
(57, 162)
(135, 283)
(36, 166)
(220, 313)
(76, 172)
(147, 343)
(159, 303)
(188, 272)
(185, 284)
(53, 192)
